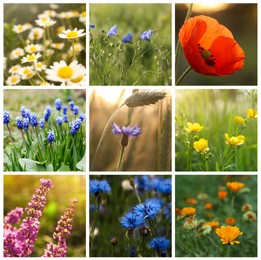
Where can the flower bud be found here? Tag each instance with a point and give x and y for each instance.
(190, 223)
(249, 216)
(132, 182)
(114, 241)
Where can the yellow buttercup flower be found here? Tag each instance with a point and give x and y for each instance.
(193, 127)
(228, 234)
(235, 140)
(201, 145)
(239, 120)
(235, 186)
(251, 113)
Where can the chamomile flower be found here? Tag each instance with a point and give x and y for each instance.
(50, 13)
(27, 72)
(39, 66)
(45, 21)
(61, 72)
(66, 15)
(19, 28)
(72, 35)
(16, 53)
(77, 48)
(31, 58)
(36, 33)
(82, 17)
(13, 80)
(14, 69)
(58, 45)
(31, 48)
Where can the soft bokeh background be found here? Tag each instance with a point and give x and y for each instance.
(215, 110)
(191, 186)
(241, 20)
(151, 151)
(18, 191)
(134, 18)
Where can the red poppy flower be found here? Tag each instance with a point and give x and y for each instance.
(210, 47)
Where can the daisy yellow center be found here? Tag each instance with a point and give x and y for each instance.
(26, 71)
(15, 68)
(33, 48)
(65, 72)
(31, 58)
(83, 14)
(13, 79)
(57, 45)
(44, 19)
(19, 27)
(72, 34)
(36, 35)
(76, 80)
(39, 65)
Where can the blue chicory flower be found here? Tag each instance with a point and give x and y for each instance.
(113, 31)
(146, 35)
(127, 38)
(131, 220)
(129, 131)
(58, 104)
(6, 116)
(97, 186)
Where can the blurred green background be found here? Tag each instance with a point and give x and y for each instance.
(134, 18)
(207, 186)
(241, 20)
(215, 110)
(18, 191)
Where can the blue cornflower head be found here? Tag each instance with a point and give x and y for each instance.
(59, 120)
(71, 104)
(75, 126)
(58, 104)
(167, 211)
(97, 186)
(50, 136)
(26, 123)
(127, 38)
(91, 26)
(148, 210)
(41, 122)
(6, 116)
(156, 201)
(65, 108)
(82, 117)
(164, 186)
(19, 122)
(113, 31)
(129, 131)
(75, 110)
(146, 35)
(33, 119)
(47, 112)
(132, 220)
(145, 183)
(65, 119)
(160, 244)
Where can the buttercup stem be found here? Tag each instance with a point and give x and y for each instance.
(183, 75)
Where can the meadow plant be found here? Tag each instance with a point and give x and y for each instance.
(54, 142)
(19, 241)
(50, 51)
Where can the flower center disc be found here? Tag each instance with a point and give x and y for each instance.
(65, 72)
(71, 35)
(31, 58)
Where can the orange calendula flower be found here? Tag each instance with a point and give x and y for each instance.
(235, 186)
(251, 113)
(228, 234)
(208, 205)
(222, 194)
(235, 140)
(210, 47)
(193, 127)
(188, 211)
(201, 145)
(230, 221)
(212, 224)
(191, 201)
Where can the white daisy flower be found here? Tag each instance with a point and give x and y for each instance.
(58, 45)
(31, 58)
(45, 21)
(50, 13)
(65, 15)
(14, 69)
(27, 72)
(19, 28)
(36, 33)
(82, 17)
(13, 80)
(71, 35)
(30, 48)
(61, 72)
(39, 66)
(16, 53)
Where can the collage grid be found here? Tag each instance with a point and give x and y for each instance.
(133, 112)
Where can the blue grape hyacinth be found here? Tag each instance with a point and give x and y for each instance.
(50, 136)
(58, 104)
(6, 116)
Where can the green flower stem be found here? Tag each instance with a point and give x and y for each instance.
(183, 75)
(39, 145)
(189, 154)
(38, 74)
(136, 193)
(232, 203)
(121, 158)
(213, 243)
(227, 251)
(12, 139)
(73, 49)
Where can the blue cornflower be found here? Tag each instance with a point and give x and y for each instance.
(127, 38)
(132, 220)
(65, 108)
(145, 183)
(59, 120)
(156, 201)
(146, 35)
(148, 210)
(6, 116)
(75, 126)
(167, 211)
(26, 124)
(75, 110)
(129, 131)
(97, 186)
(47, 112)
(41, 122)
(71, 104)
(50, 136)
(113, 31)
(58, 104)
(91, 26)
(25, 112)
(33, 119)
(160, 244)
(82, 117)
(19, 122)
(65, 119)
(164, 186)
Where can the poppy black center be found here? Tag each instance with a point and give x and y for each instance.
(207, 56)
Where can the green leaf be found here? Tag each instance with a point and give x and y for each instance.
(81, 165)
(64, 168)
(30, 165)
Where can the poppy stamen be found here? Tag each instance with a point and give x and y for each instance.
(207, 56)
